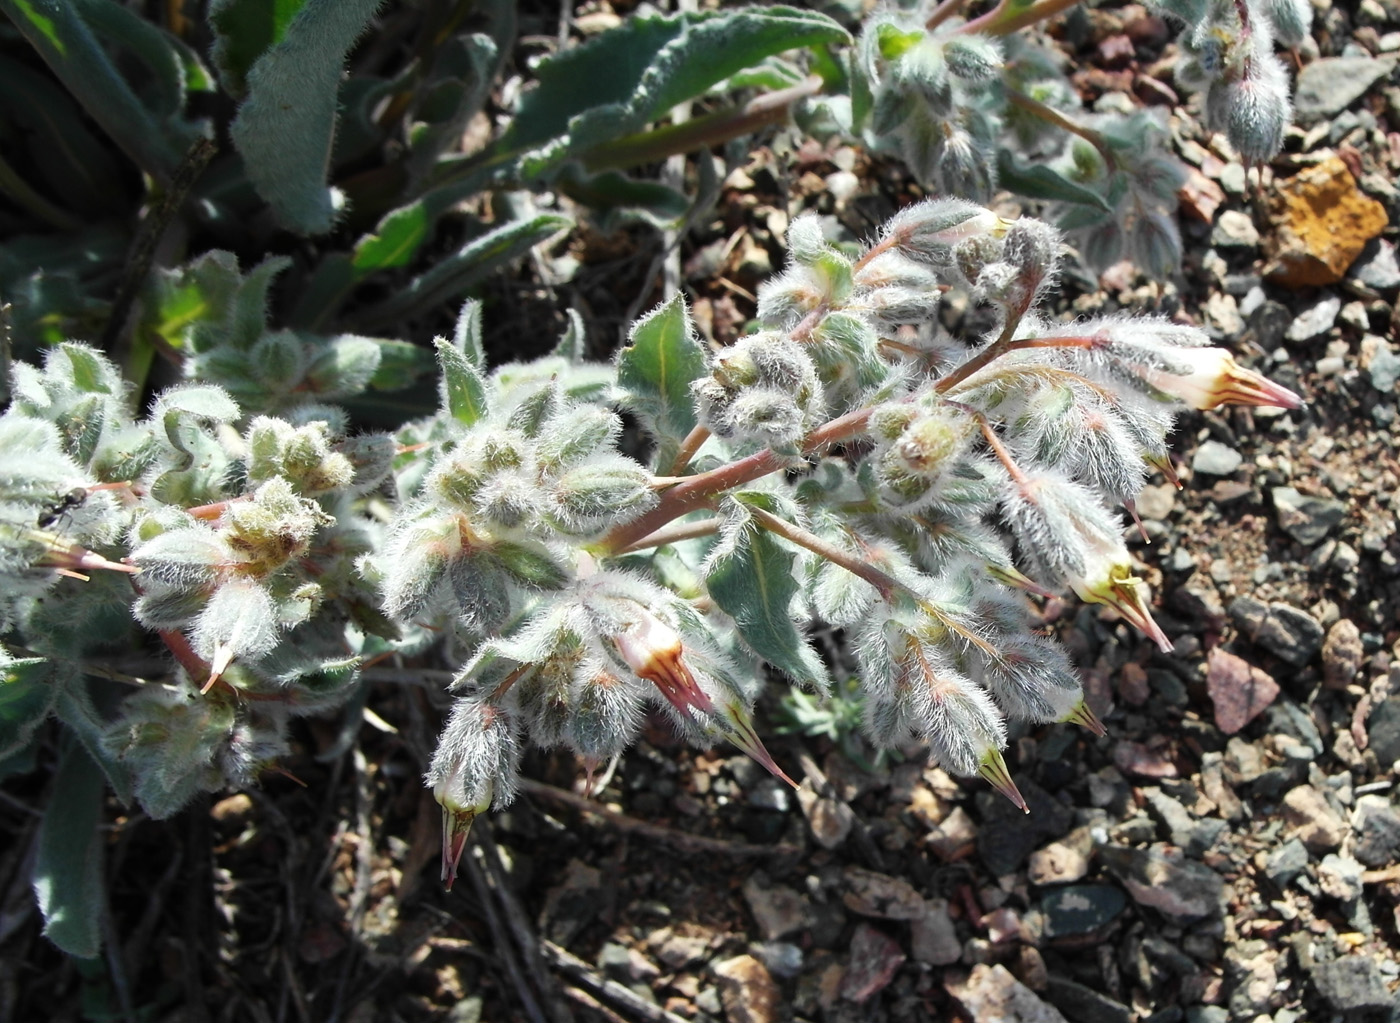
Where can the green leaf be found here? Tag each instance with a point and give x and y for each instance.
(462, 388)
(68, 864)
(650, 63)
(26, 694)
(617, 198)
(60, 32)
(531, 565)
(396, 240)
(285, 128)
(451, 276)
(655, 370)
(243, 31)
(401, 364)
(573, 343)
(750, 577)
(200, 400)
(1041, 181)
(466, 337)
(68, 158)
(343, 366)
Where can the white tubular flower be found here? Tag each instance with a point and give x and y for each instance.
(1206, 378)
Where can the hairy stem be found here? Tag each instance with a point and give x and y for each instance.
(1005, 17)
(692, 443)
(696, 491)
(943, 12)
(884, 583)
(709, 130)
(674, 533)
(1052, 116)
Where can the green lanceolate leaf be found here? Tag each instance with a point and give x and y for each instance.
(750, 576)
(663, 357)
(67, 40)
(68, 867)
(462, 388)
(26, 695)
(647, 65)
(454, 274)
(396, 240)
(1041, 181)
(466, 337)
(284, 129)
(243, 31)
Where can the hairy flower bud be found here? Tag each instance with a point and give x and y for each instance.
(475, 766)
(974, 58)
(928, 230)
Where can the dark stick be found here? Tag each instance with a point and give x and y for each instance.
(143, 247)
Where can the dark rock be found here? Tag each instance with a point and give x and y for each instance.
(1207, 1014)
(1287, 633)
(1083, 1004)
(1286, 862)
(777, 909)
(1079, 909)
(1288, 718)
(1009, 837)
(1377, 830)
(1383, 729)
(1353, 982)
(1306, 519)
(1269, 323)
(1163, 878)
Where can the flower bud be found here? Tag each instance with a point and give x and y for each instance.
(804, 239)
(973, 58)
(1254, 111)
(1292, 20)
(928, 230)
(600, 495)
(652, 650)
(475, 766)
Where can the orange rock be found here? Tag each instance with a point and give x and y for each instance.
(1322, 222)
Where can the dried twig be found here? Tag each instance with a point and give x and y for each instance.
(520, 928)
(501, 940)
(599, 985)
(681, 840)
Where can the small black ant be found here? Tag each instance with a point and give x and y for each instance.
(69, 501)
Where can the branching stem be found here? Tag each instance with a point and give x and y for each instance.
(1051, 115)
(674, 533)
(885, 584)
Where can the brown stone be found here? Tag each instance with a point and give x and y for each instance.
(1239, 690)
(1322, 222)
(1342, 654)
(748, 991)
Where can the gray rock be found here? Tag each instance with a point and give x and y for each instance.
(1287, 718)
(681, 950)
(1312, 819)
(1207, 1014)
(933, 938)
(1383, 728)
(1216, 459)
(1351, 983)
(1315, 319)
(783, 958)
(874, 959)
(1376, 826)
(1306, 519)
(1234, 230)
(777, 909)
(1340, 877)
(1287, 633)
(770, 794)
(1384, 369)
(1286, 862)
(1328, 86)
(1083, 1004)
(1161, 877)
(1377, 267)
(1080, 909)
(990, 994)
